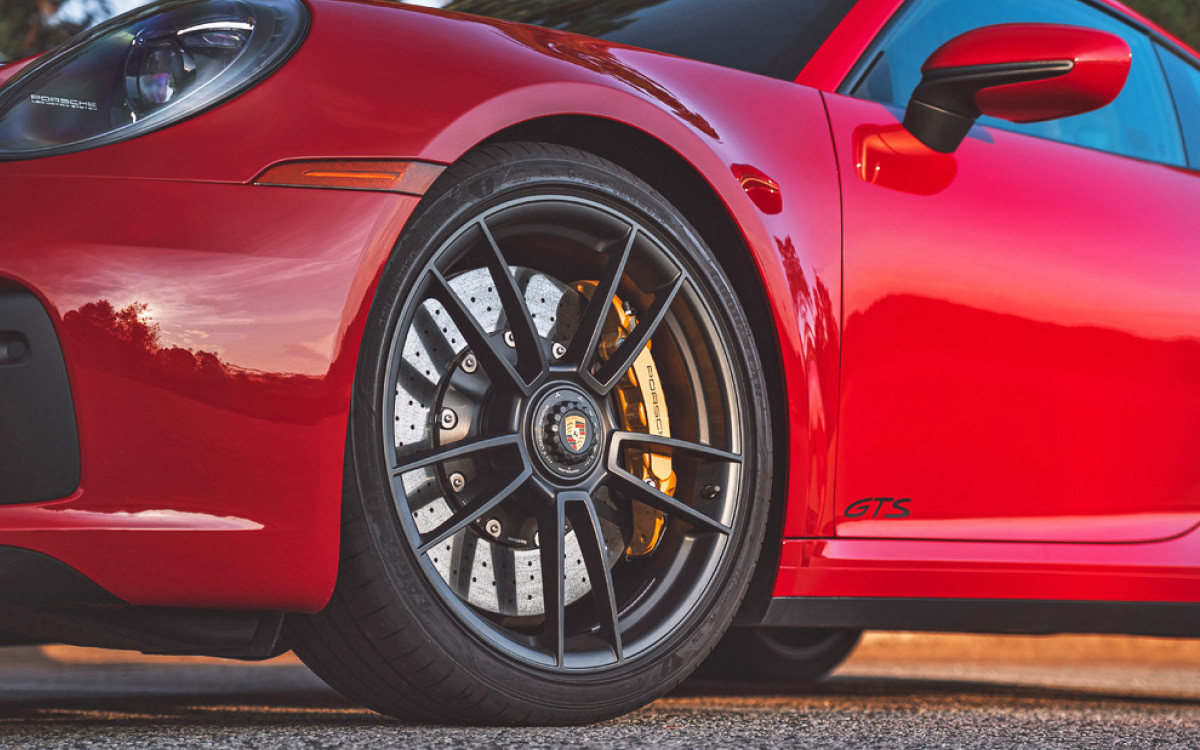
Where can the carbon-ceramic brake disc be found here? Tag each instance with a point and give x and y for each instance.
(495, 575)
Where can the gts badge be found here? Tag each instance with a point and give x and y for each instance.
(879, 507)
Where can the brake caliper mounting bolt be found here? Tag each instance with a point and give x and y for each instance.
(710, 492)
(470, 364)
(558, 350)
(458, 481)
(449, 419)
(493, 528)
(510, 339)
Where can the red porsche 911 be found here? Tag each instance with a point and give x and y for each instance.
(507, 359)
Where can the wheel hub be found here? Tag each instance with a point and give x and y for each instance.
(567, 433)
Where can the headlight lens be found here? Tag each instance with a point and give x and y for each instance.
(146, 70)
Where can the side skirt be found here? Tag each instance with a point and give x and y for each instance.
(1038, 617)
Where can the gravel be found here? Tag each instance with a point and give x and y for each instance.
(874, 704)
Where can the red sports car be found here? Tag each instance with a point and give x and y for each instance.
(498, 358)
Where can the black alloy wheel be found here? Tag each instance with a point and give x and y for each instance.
(558, 459)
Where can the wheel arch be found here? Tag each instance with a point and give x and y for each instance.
(795, 252)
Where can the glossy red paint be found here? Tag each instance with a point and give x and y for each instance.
(1027, 379)
(1100, 66)
(892, 157)
(210, 354)
(888, 174)
(1030, 42)
(1025, 382)
(762, 189)
(1161, 572)
(284, 298)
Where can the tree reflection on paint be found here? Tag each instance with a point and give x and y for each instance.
(589, 19)
(127, 342)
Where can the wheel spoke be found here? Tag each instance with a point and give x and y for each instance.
(591, 326)
(622, 359)
(586, 525)
(622, 479)
(668, 445)
(552, 544)
(531, 357)
(487, 349)
(482, 516)
(472, 512)
(461, 449)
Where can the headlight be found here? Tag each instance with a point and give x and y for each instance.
(145, 70)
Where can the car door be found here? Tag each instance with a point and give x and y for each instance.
(1021, 352)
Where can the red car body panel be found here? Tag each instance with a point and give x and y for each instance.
(1044, 345)
(900, 568)
(1031, 379)
(213, 451)
(205, 480)
(193, 175)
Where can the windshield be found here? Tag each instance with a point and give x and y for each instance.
(30, 27)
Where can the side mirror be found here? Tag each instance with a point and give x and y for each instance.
(1023, 72)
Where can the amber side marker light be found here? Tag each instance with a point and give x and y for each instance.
(408, 177)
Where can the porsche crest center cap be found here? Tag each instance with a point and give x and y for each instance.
(576, 433)
(568, 435)
(571, 433)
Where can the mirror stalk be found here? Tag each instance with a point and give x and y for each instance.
(943, 109)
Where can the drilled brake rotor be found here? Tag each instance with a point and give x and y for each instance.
(495, 565)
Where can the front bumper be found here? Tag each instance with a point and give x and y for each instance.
(210, 334)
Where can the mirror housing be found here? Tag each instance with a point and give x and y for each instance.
(1023, 72)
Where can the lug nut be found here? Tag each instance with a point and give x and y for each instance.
(510, 339)
(457, 481)
(470, 364)
(449, 419)
(493, 528)
(559, 350)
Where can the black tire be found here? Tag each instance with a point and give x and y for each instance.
(394, 637)
(797, 656)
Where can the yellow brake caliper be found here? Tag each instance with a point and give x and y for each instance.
(641, 407)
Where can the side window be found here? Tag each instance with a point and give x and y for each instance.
(1141, 123)
(1185, 85)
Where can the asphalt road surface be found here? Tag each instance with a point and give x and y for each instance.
(897, 691)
